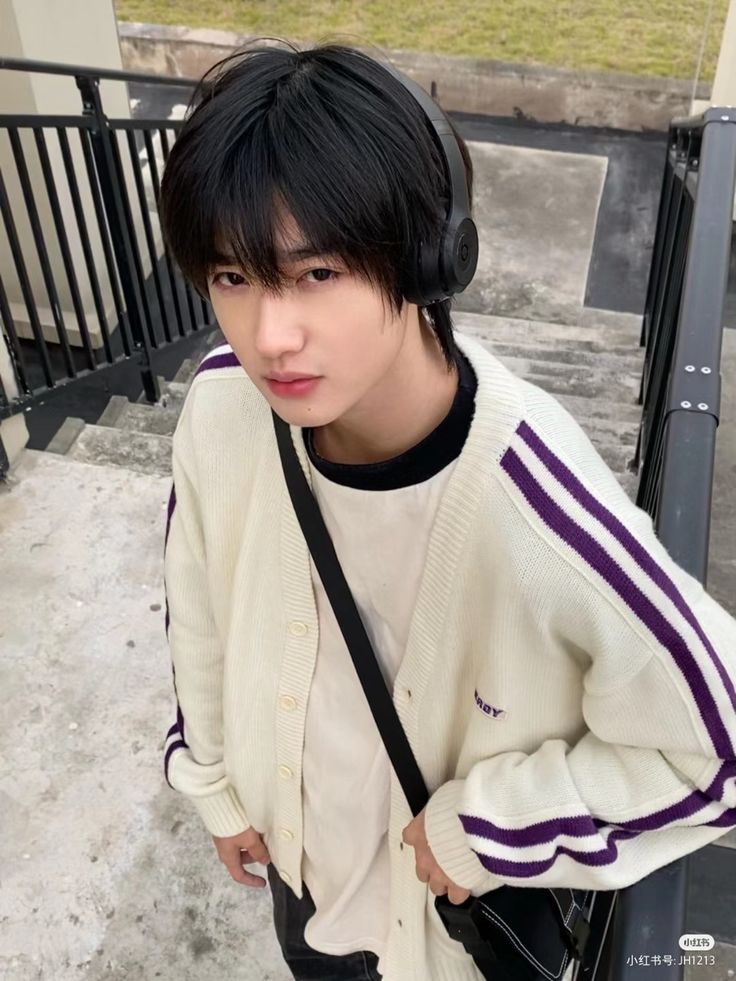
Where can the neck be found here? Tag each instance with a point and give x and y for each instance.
(411, 400)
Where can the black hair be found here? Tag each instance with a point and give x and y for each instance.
(326, 135)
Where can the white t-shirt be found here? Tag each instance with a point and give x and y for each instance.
(380, 538)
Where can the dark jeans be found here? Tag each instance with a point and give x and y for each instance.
(290, 917)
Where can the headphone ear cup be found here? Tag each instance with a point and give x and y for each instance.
(422, 282)
(459, 255)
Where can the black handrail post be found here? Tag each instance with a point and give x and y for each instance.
(101, 136)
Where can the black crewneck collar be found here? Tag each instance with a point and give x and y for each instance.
(419, 462)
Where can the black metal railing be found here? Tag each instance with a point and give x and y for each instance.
(79, 206)
(680, 393)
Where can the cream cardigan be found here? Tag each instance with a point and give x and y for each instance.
(567, 689)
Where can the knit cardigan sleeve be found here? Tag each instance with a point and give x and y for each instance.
(193, 755)
(654, 776)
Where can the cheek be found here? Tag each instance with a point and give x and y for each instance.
(231, 318)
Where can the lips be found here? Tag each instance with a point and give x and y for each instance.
(298, 386)
(288, 376)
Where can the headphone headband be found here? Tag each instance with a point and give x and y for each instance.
(445, 267)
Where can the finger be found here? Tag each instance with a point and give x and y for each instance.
(238, 873)
(258, 852)
(456, 895)
(426, 865)
(438, 885)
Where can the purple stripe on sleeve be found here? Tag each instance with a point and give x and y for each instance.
(726, 772)
(725, 820)
(622, 534)
(214, 361)
(179, 744)
(170, 512)
(598, 559)
(534, 834)
(172, 730)
(583, 825)
(525, 870)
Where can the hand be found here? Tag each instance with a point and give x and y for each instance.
(240, 850)
(427, 868)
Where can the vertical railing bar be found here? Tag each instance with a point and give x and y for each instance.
(153, 169)
(25, 284)
(114, 197)
(662, 340)
(128, 218)
(188, 290)
(40, 243)
(164, 144)
(670, 234)
(141, 191)
(66, 258)
(85, 240)
(15, 350)
(104, 230)
(179, 278)
(665, 196)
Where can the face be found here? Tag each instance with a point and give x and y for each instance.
(323, 348)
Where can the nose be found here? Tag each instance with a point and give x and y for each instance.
(279, 329)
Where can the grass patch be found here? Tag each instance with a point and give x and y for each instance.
(640, 37)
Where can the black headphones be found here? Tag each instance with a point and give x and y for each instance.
(444, 267)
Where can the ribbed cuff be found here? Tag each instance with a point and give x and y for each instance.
(448, 843)
(222, 813)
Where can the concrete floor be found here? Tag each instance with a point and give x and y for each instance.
(106, 872)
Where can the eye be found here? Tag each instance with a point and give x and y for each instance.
(322, 275)
(232, 279)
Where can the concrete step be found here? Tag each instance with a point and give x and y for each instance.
(622, 335)
(610, 431)
(187, 370)
(595, 411)
(571, 353)
(159, 419)
(554, 377)
(172, 393)
(617, 455)
(142, 452)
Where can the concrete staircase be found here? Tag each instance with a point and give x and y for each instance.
(593, 370)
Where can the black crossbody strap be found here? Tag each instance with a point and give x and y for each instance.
(348, 618)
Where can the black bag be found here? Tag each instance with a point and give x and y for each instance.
(512, 934)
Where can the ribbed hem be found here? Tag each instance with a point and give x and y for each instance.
(222, 813)
(448, 843)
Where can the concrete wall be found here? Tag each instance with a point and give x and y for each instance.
(467, 84)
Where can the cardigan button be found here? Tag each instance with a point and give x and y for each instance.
(286, 834)
(285, 772)
(285, 876)
(288, 703)
(297, 628)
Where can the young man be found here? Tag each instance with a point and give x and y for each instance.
(567, 690)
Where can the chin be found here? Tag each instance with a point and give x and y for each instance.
(302, 415)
